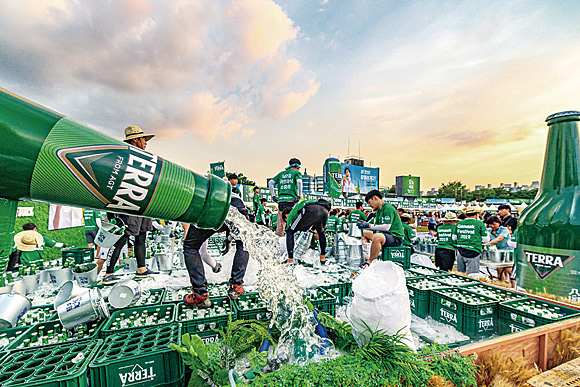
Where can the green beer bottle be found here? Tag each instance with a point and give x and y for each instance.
(48, 157)
(548, 251)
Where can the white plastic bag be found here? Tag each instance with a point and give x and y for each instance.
(380, 302)
(423, 260)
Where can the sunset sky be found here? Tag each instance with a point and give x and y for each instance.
(445, 90)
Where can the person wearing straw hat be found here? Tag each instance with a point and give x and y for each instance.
(445, 250)
(408, 232)
(137, 226)
(31, 245)
(470, 234)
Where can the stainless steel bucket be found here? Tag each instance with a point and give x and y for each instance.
(18, 286)
(87, 278)
(60, 275)
(85, 308)
(31, 283)
(354, 231)
(12, 308)
(164, 261)
(355, 255)
(67, 290)
(44, 277)
(7, 288)
(124, 293)
(130, 265)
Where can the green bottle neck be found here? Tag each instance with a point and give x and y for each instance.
(562, 160)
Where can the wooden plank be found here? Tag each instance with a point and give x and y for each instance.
(543, 351)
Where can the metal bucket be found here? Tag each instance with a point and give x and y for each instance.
(355, 255)
(85, 308)
(354, 231)
(12, 308)
(124, 294)
(67, 290)
(18, 286)
(7, 288)
(302, 243)
(164, 261)
(87, 278)
(60, 275)
(130, 265)
(31, 283)
(105, 238)
(44, 277)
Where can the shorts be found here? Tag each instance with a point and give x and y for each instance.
(390, 240)
(468, 265)
(91, 235)
(432, 226)
(444, 258)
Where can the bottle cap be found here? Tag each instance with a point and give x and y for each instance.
(570, 115)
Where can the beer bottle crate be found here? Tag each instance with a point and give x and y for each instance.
(77, 255)
(401, 254)
(495, 292)
(173, 296)
(427, 271)
(140, 357)
(336, 290)
(528, 313)
(419, 294)
(411, 275)
(257, 310)
(37, 314)
(322, 300)
(127, 319)
(52, 333)
(63, 365)
(155, 297)
(194, 320)
(10, 334)
(471, 314)
(457, 280)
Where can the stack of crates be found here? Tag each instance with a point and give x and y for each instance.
(399, 254)
(525, 313)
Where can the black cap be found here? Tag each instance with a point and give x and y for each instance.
(232, 176)
(293, 161)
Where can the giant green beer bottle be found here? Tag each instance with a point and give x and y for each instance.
(333, 177)
(48, 157)
(548, 252)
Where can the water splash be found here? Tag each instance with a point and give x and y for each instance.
(278, 286)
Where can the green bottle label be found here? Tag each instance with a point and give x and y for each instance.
(555, 271)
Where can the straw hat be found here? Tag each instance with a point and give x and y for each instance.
(472, 210)
(406, 216)
(450, 217)
(28, 240)
(134, 131)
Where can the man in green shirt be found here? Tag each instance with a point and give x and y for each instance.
(408, 232)
(387, 228)
(470, 233)
(445, 250)
(261, 212)
(256, 200)
(273, 221)
(357, 214)
(31, 245)
(333, 222)
(304, 216)
(289, 183)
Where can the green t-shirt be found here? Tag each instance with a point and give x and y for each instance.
(28, 258)
(256, 202)
(260, 213)
(342, 221)
(445, 236)
(296, 209)
(356, 215)
(273, 220)
(469, 232)
(332, 224)
(90, 216)
(387, 214)
(409, 234)
(287, 182)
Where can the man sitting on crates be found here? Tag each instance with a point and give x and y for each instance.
(386, 229)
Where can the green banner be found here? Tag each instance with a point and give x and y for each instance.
(218, 169)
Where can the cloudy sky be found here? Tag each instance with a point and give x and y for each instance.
(444, 90)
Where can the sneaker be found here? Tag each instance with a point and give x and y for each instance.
(323, 261)
(235, 291)
(110, 280)
(364, 265)
(197, 300)
(217, 268)
(147, 273)
(289, 260)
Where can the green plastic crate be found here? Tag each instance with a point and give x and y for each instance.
(38, 314)
(512, 317)
(165, 315)
(322, 300)
(54, 366)
(410, 275)
(173, 296)
(11, 334)
(474, 320)
(427, 271)
(457, 280)
(208, 336)
(154, 298)
(77, 255)
(419, 294)
(40, 335)
(194, 320)
(257, 312)
(497, 293)
(400, 254)
(140, 357)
